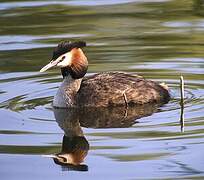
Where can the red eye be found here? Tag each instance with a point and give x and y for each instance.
(63, 57)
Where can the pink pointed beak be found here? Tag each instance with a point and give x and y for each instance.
(48, 66)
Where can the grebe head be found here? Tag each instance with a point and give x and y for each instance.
(70, 58)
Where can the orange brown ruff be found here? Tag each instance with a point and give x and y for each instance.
(79, 63)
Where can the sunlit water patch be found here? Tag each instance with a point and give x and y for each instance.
(11, 5)
(29, 42)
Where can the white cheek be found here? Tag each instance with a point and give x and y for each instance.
(66, 62)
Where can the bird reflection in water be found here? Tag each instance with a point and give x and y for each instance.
(74, 145)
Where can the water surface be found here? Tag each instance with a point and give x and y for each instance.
(159, 39)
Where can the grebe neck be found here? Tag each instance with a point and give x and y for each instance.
(65, 72)
(66, 94)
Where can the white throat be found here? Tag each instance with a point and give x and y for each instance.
(66, 94)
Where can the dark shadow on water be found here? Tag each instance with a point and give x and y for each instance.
(75, 145)
(116, 117)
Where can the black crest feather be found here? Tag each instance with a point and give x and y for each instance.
(66, 46)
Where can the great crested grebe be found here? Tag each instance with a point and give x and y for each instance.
(102, 89)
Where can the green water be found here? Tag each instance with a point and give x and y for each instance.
(158, 39)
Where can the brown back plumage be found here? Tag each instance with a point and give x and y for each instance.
(119, 89)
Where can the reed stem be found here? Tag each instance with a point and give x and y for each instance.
(182, 103)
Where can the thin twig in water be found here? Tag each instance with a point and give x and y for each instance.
(182, 103)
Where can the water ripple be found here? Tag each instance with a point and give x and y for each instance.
(20, 42)
(5, 6)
